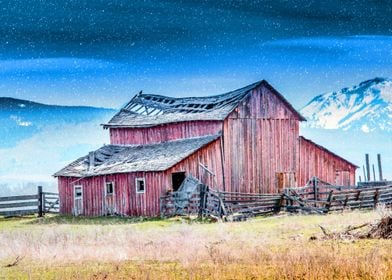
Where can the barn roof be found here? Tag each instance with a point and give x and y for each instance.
(328, 151)
(111, 159)
(146, 110)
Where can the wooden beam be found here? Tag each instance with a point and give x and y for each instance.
(40, 202)
(18, 197)
(19, 204)
(379, 167)
(18, 212)
(367, 167)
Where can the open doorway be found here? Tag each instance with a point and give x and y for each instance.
(177, 179)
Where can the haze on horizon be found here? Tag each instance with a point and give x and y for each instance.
(101, 53)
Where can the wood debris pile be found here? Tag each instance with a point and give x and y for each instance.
(380, 230)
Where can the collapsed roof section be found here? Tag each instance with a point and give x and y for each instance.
(146, 110)
(111, 159)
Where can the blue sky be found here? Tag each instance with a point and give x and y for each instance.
(103, 52)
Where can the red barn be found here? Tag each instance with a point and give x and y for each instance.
(248, 138)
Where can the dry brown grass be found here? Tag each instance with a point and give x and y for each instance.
(269, 248)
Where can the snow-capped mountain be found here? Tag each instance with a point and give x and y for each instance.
(366, 107)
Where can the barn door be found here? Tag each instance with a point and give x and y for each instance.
(78, 200)
(285, 180)
(110, 199)
(342, 178)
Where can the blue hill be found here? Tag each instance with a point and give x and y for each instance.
(21, 119)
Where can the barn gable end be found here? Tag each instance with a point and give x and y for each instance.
(260, 141)
(265, 102)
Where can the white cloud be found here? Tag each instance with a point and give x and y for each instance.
(365, 128)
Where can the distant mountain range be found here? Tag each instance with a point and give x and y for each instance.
(21, 119)
(37, 140)
(366, 107)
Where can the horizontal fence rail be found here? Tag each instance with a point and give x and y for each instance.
(324, 198)
(317, 197)
(40, 203)
(226, 205)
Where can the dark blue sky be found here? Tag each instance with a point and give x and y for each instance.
(102, 52)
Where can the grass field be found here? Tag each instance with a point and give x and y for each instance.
(276, 247)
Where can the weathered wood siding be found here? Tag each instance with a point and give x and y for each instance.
(209, 156)
(317, 161)
(260, 140)
(161, 133)
(127, 200)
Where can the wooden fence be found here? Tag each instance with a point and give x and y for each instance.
(39, 203)
(316, 197)
(240, 206)
(322, 198)
(226, 205)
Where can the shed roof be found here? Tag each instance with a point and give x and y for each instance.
(146, 110)
(111, 159)
(328, 151)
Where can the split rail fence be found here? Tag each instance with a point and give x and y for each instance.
(226, 205)
(316, 197)
(319, 197)
(39, 203)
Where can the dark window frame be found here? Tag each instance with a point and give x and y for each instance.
(140, 184)
(112, 188)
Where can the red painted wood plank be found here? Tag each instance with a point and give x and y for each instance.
(166, 132)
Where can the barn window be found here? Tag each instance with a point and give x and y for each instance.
(109, 186)
(140, 185)
(78, 191)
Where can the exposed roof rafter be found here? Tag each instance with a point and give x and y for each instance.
(148, 110)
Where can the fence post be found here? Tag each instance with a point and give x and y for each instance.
(376, 196)
(329, 200)
(315, 190)
(40, 202)
(202, 200)
(345, 202)
(279, 204)
(161, 202)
